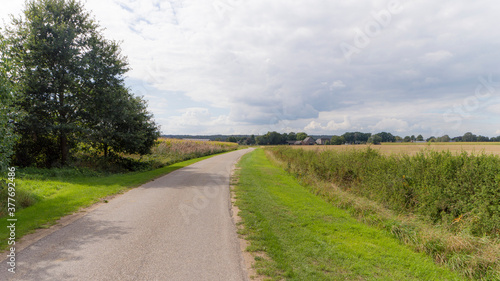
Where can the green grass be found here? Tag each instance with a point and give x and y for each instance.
(65, 193)
(307, 238)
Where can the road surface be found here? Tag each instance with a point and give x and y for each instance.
(177, 227)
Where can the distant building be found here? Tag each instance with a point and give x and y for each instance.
(308, 141)
(297, 143)
(322, 141)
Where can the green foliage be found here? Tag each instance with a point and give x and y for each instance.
(23, 198)
(459, 191)
(71, 86)
(7, 111)
(301, 136)
(386, 137)
(356, 137)
(375, 139)
(444, 138)
(337, 140)
(272, 138)
(121, 122)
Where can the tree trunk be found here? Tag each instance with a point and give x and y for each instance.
(64, 148)
(106, 151)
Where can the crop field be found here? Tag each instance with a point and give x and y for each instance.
(445, 198)
(414, 148)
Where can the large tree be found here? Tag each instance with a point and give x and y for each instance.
(66, 70)
(7, 111)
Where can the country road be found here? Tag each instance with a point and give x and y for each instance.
(177, 227)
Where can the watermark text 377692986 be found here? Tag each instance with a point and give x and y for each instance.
(11, 219)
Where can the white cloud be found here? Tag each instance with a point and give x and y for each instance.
(331, 126)
(251, 66)
(438, 56)
(338, 84)
(391, 124)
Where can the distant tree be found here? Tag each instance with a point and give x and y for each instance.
(232, 139)
(469, 137)
(292, 136)
(431, 139)
(270, 138)
(284, 138)
(413, 138)
(262, 140)
(361, 137)
(482, 138)
(301, 136)
(444, 138)
(274, 138)
(407, 139)
(386, 137)
(349, 137)
(252, 139)
(495, 139)
(420, 138)
(375, 139)
(398, 139)
(337, 140)
(356, 137)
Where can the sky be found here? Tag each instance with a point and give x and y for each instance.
(317, 66)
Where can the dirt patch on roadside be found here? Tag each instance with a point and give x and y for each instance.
(248, 257)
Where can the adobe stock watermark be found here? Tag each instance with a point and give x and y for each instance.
(485, 89)
(371, 29)
(202, 196)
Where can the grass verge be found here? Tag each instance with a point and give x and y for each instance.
(307, 238)
(65, 193)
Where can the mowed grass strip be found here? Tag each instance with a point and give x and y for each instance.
(307, 238)
(58, 197)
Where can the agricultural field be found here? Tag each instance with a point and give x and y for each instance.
(167, 150)
(443, 202)
(414, 148)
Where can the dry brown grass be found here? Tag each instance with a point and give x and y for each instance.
(414, 148)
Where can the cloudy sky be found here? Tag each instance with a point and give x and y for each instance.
(319, 66)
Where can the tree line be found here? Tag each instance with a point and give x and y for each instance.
(275, 138)
(62, 87)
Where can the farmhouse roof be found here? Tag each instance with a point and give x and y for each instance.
(308, 140)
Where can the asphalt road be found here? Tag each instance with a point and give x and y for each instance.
(177, 227)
